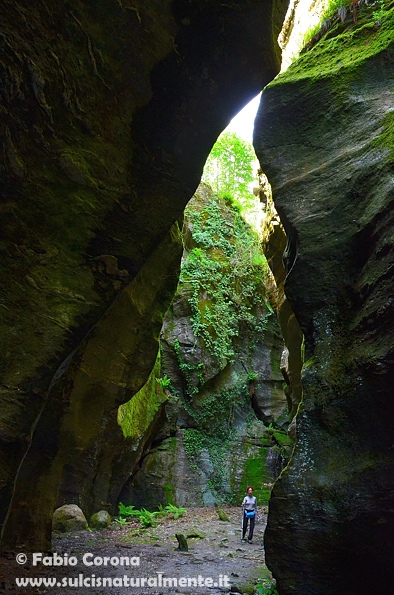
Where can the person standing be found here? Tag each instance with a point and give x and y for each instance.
(249, 511)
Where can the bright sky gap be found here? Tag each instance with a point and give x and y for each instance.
(242, 124)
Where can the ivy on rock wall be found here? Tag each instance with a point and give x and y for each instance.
(225, 273)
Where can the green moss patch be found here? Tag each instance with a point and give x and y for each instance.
(385, 139)
(135, 416)
(344, 46)
(257, 475)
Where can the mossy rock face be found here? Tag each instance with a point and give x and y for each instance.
(220, 391)
(327, 123)
(242, 587)
(136, 416)
(156, 480)
(258, 472)
(195, 534)
(87, 438)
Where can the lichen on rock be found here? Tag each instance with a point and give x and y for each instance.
(100, 520)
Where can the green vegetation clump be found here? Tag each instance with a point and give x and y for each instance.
(189, 370)
(195, 441)
(164, 382)
(126, 512)
(344, 45)
(331, 9)
(386, 138)
(214, 413)
(266, 587)
(176, 511)
(146, 517)
(252, 376)
(225, 273)
(229, 169)
(224, 276)
(266, 584)
(341, 11)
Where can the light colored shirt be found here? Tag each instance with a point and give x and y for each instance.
(249, 503)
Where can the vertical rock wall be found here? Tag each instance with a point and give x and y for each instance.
(276, 245)
(221, 351)
(324, 137)
(109, 110)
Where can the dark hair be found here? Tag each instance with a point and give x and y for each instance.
(249, 487)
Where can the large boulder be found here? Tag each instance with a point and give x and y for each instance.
(69, 517)
(100, 520)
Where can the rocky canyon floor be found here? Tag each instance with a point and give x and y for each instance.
(217, 563)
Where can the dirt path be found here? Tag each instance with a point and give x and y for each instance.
(217, 563)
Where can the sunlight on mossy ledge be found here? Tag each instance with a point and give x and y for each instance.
(371, 31)
(307, 21)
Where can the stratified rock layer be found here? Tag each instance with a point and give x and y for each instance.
(324, 137)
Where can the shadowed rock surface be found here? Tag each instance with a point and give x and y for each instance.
(324, 138)
(109, 111)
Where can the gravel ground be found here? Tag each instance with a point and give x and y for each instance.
(217, 563)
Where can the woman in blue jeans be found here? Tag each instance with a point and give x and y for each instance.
(249, 507)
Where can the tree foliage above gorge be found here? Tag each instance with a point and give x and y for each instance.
(229, 167)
